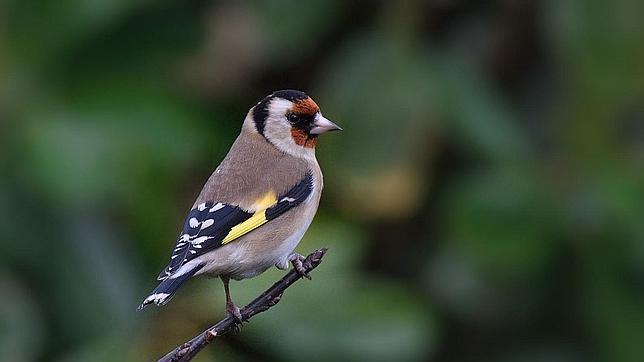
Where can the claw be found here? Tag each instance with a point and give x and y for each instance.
(234, 312)
(297, 259)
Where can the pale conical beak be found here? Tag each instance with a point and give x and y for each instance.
(323, 125)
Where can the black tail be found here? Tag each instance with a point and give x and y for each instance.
(166, 289)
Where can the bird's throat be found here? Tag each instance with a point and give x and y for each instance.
(303, 138)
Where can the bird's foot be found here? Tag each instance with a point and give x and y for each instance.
(234, 312)
(297, 259)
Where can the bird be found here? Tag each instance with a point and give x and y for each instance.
(257, 204)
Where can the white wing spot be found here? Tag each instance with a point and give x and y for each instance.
(194, 222)
(289, 199)
(217, 206)
(207, 223)
(201, 239)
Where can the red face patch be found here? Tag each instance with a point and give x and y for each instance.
(305, 106)
(302, 138)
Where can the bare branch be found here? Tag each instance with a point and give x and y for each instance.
(266, 300)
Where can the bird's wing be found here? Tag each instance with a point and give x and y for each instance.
(212, 224)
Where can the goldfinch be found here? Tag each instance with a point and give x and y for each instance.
(257, 204)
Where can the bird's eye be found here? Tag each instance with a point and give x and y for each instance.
(293, 118)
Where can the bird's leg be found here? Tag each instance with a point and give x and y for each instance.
(297, 259)
(231, 308)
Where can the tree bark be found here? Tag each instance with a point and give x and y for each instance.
(265, 301)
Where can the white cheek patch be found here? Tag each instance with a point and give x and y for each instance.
(278, 132)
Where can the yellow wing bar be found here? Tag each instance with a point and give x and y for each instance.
(258, 219)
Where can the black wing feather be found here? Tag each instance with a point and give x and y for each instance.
(295, 196)
(209, 223)
(208, 220)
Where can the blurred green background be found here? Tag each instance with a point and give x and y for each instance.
(484, 203)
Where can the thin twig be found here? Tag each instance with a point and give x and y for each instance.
(266, 300)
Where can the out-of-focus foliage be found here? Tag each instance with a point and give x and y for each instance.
(485, 201)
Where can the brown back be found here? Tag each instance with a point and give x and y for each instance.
(252, 168)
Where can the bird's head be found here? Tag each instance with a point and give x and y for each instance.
(290, 120)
